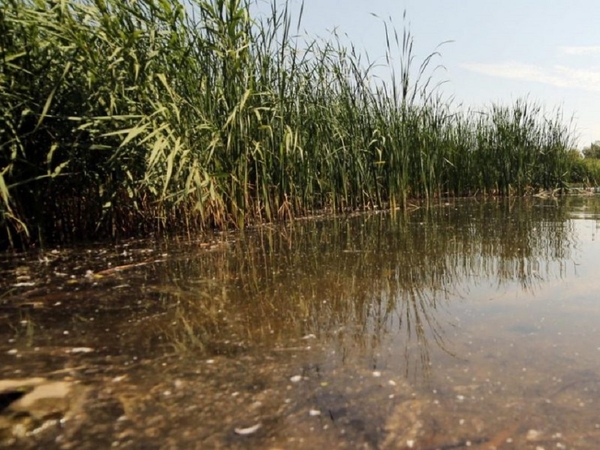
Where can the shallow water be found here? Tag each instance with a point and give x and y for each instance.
(466, 325)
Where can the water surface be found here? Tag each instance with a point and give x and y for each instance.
(466, 325)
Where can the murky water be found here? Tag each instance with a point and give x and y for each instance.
(467, 325)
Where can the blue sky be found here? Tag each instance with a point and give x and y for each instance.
(548, 51)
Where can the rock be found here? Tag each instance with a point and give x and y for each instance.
(34, 403)
(44, 400)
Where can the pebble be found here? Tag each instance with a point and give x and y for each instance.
(80, 350)
(249, 430)
(532, 435)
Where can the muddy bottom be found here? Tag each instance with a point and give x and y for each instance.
(469, 326)
(283, 399)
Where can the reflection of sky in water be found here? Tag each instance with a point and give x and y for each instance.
(550, 313)
(576, 278)
(551, 327)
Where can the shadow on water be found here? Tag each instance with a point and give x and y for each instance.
(273, 328)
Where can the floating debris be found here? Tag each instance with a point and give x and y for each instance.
(314, 412)
(249, 430)
(296, 378)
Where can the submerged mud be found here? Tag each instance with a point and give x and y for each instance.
(464, 326)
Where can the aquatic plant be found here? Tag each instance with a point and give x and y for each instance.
(126, 118)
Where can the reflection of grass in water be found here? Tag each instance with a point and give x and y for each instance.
(195, 320)
(186, 336)
(359, 317)
(357, 281)
(348, 311)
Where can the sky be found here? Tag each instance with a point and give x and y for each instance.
(547, 51)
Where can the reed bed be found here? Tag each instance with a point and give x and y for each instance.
(126, 118)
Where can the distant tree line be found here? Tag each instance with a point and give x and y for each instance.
(593, 151)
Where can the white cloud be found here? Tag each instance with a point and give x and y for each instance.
(559, 76)
(580, 78)
(579, 51)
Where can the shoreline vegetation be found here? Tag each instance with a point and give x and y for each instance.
(129, 118)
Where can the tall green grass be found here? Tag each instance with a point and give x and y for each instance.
(124, 118)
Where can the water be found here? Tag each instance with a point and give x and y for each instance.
(466, 325)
